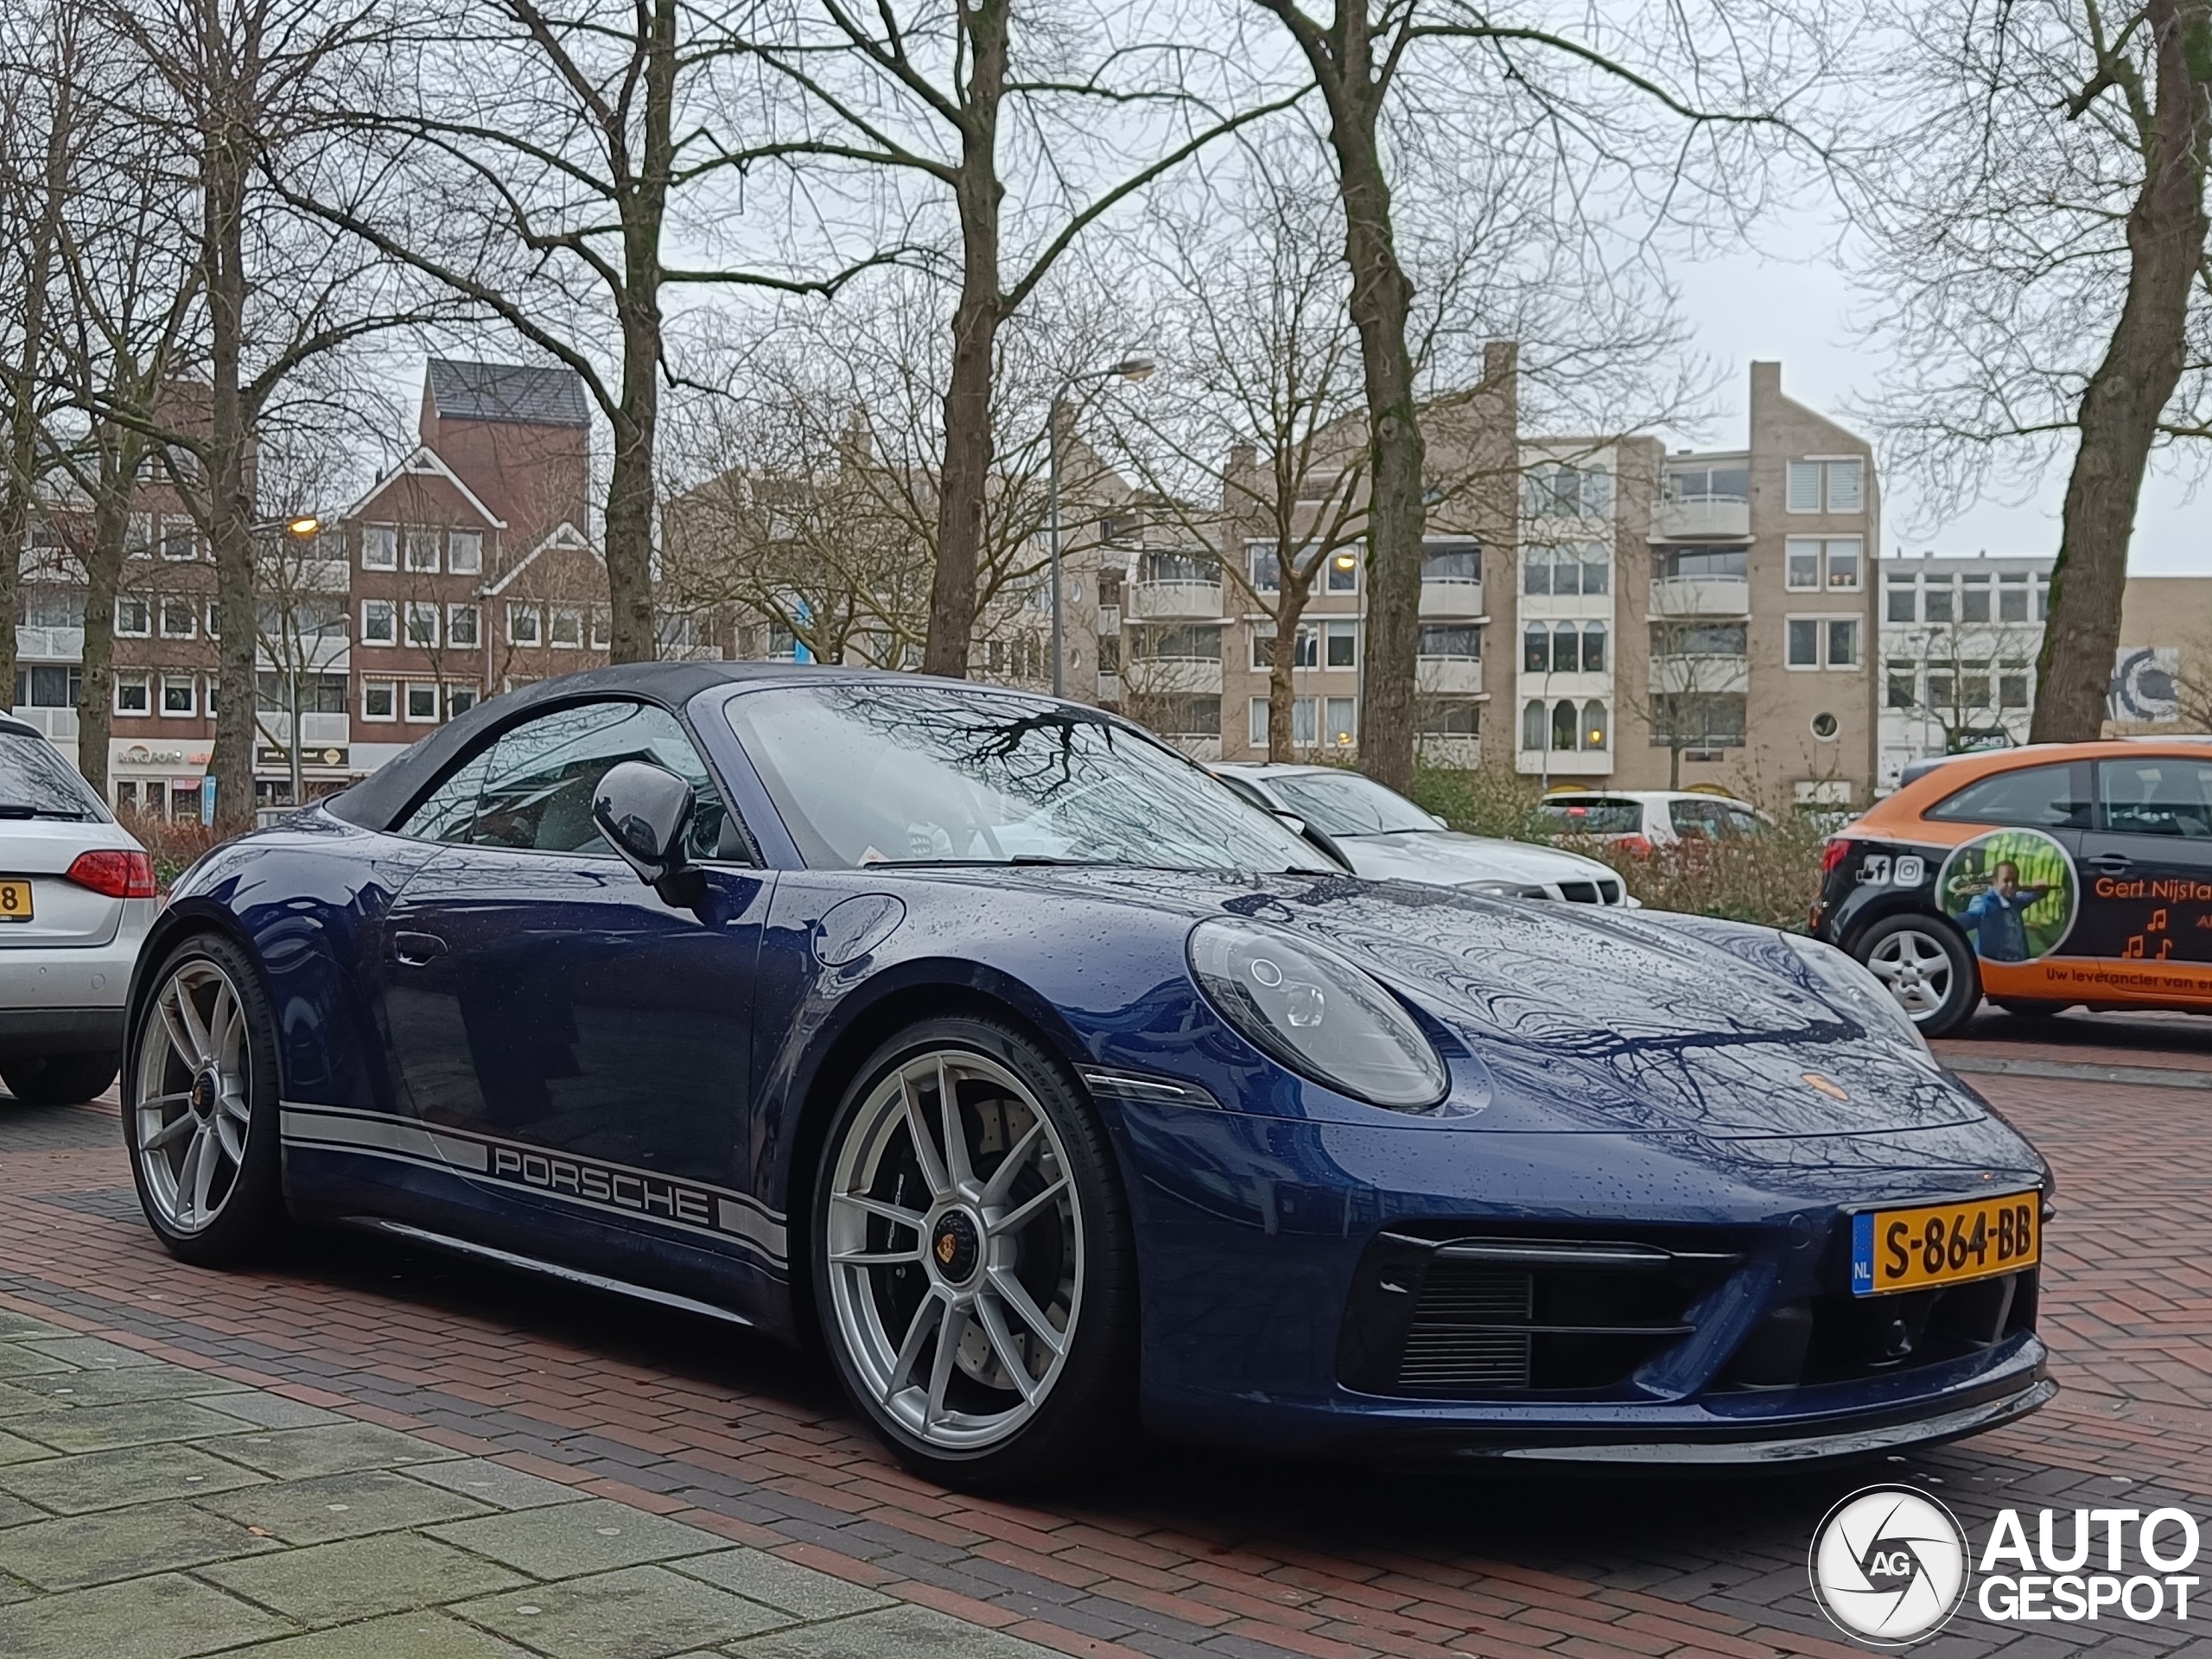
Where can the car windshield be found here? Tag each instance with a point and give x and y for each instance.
(875, 773)
(35, 782)
(1596, 818)
(1345, 804)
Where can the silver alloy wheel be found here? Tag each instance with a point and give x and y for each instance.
(955, 1250)
(192, 1100)
(1916, 967)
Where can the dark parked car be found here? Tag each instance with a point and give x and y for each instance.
(1054, 1086)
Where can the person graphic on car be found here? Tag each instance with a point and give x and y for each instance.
(1993, 917)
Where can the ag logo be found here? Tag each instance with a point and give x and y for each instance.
(1888, 1566)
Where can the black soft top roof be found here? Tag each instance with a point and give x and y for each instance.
(381, 798)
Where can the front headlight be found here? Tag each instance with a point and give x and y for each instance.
(1855, 989)
(1316, 1013)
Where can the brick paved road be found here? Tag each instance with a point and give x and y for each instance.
(1183, 1553)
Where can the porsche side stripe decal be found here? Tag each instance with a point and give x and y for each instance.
(589, 1184)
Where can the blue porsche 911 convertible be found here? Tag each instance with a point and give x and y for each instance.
(1053, 1088)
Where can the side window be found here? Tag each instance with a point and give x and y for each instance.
(449, 813)
(2037, 798)
(1696, 818)
(2157, 796)
(540, 776)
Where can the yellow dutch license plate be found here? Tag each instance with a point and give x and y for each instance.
(1944, 1244)
(15, 901)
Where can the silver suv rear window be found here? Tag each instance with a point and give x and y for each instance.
(35, 782)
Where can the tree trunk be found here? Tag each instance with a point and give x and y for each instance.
(223, 469)
(1279, 658)
(102, 576)
(629, 532)
(1381, 296)
(2129, 391)
(965, 474)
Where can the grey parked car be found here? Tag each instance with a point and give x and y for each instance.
(76, 898)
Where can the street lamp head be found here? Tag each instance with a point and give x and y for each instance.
(304, 526)
(1133, 368)
(1347, 560)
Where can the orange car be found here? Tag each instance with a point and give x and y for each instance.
(2043, 877)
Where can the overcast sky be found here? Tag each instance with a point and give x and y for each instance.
(1798, 310)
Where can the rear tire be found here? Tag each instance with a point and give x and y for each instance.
(59, 1079)
(979, 1302)
(1927, 969)
(199, 1106)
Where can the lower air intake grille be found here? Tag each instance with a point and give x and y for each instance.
(1579, 892)
(1446, 1349)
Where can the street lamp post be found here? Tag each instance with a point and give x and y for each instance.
(1129, 368)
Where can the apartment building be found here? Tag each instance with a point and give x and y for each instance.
(1960, 636)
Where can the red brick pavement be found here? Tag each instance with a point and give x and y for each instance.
(1184, 1551)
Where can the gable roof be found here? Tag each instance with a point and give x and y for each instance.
(507, 392)
(424, 460)
(562, 535)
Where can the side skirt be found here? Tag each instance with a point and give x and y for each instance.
(549, 1269)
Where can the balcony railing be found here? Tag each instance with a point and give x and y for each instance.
(1157, 676)
(1442, 674)
(50, 645)
(59, 725)
(1701, 596)
(1685, 673)
(1450, 597)
(1152, 600)
(1701, 515)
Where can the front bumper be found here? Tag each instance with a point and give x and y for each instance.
(1261, 1239)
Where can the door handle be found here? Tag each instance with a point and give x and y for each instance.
(416, 950)
(2107, 863)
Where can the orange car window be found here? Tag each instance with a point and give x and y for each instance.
(2039, 798)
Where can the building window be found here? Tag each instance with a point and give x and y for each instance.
(1343, 573)
(2012, 686)
(1699, 721)
(421, 703)
(134, 617)
(214, 619)
(1843, 562)
(380, 699)
(565, 627)
(1458, 641)
(1567, 649)
(49, 685)
(180, 619)
(1942, 598)
(1340, 721)
(1594, 725)
(1267, 570)
(1845, 483)
(138, 535)
(1805, 487)
(1728, 480)
(2043, 599)
(1168, 564)
(1593, 648)
(1343, 642)
(2013, 598)
(179, 540)
(1563, 726)
(380, 547)
(379, 622)
(422, 550)
(602, 625)
(132, 694)
(1974, 599)
(421, 625)
(1843, 642)
(179, 695)
(1570, 570)
(1449, 717)
(462, 626)
(1974, 686)
(1804, 642)
(1904, 598)
(1898, 684)
(1257, 732)
(1553, 490)
(1536, 649)
(523, 625)
(1532, 726)
(459, 699)
(1814, 563)
(465, 551)
(1453, 562)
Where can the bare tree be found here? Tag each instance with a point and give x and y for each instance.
(2040, 237)
(1633, 93)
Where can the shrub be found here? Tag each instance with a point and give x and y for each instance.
(1771, 880)
(172, 843)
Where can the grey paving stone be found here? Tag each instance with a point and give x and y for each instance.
(342, 1506)
(136, 1422)
(13, 1325)
(108, 1480)
(108, 1387)
(565, 1540)
(167, 1617)
(101, 1548)
(421, 1634)
(327, 1449)
(88, 1352)
(17, 1360)
(272, 1410)
(895, 1633)
(16, 1400)
(495, 1483)
(14, 1511)
(359, 1578)
(641, 1612)
(16, 1449)
(797, 1590)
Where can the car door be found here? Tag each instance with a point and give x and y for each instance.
(590, 1043)
(2147, 868)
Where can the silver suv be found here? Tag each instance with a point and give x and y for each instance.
(76, 898)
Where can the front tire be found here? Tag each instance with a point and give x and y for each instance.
(2023, 1007)
(59, 1079)
(1927, 969)
(972, 1261)
(199, 1106)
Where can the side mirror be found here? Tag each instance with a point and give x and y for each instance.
(645, 811)
(1313, 834)
(1442, 822)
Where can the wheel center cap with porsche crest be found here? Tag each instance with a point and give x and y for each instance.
(204, 1090)
(957, 1244)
